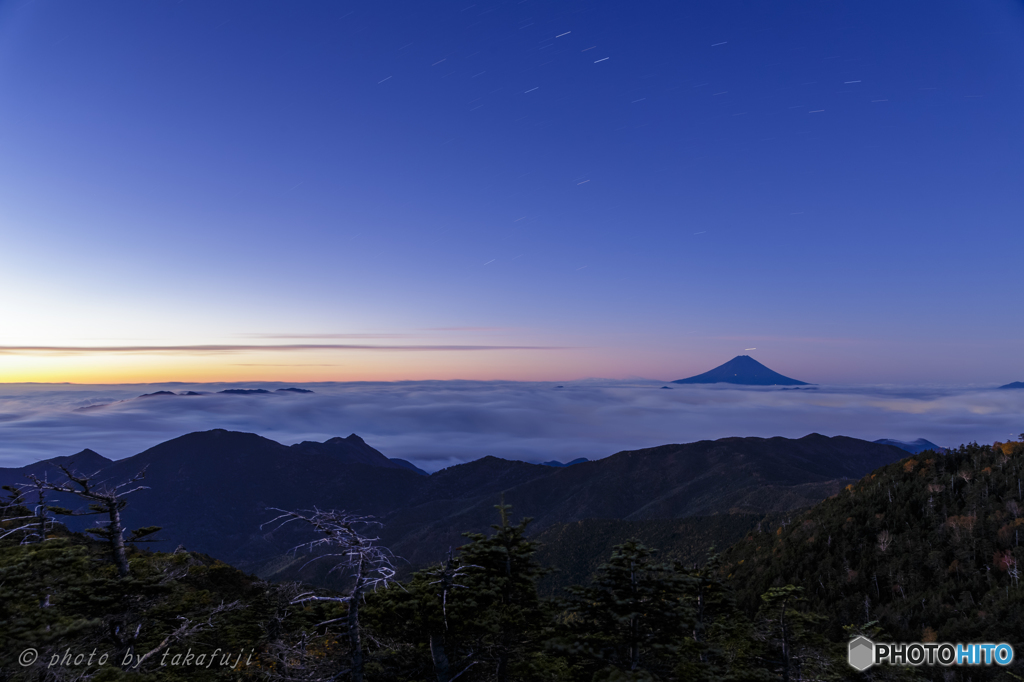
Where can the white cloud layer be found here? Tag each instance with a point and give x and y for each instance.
(438, 423)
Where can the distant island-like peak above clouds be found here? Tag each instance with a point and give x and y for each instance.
(172, 394)
(743, 370)
(1016, 384)
(913, 447)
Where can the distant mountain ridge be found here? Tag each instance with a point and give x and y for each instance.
(85, 461)
(913, 447)
(1015, 384)
(743, 370)
(405, 464)
(210, 490)
(556, 463)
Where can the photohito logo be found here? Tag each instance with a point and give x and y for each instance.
(863, 653)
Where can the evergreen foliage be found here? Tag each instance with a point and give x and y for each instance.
(579, 548)
(925, 549)
(502, 590)
(631, 620)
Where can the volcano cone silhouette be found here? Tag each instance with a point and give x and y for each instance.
(744, 370)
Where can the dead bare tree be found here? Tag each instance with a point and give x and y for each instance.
(293, 656)
(884, 540)
(368, 564)
(102, 498)
(14, 520)
(448, 574)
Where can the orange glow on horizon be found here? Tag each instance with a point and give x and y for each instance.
(510, 365)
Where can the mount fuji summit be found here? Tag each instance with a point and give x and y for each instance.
(743, 370)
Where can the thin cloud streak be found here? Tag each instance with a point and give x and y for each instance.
(467, 329)
(241, 348)
(279, 335)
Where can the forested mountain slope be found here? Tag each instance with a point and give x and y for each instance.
(929, 547)
(926, 548)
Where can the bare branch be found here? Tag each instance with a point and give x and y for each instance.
(344, 532)
(187, 629)
(22, 528)
(369, 564)
(464, 670)
(104, 499)
(449, 570)
(307, 598)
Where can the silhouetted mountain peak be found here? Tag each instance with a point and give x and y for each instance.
(1016, 384)
(211, 445)
(86, 457)
(913, 447)
(405, 464)
(351, 449)
(743, 370)
(556, 463)
(351, 439)
(85, 462)
(486, 463)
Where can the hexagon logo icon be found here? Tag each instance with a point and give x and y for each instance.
(862, 653)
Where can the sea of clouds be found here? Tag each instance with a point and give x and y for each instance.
(436, 424)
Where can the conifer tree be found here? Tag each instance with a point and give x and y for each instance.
(431, 613)
(631, 621)
(502, 591)
(719, 646)
(795, 646)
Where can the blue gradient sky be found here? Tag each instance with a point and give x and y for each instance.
(836, 184)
